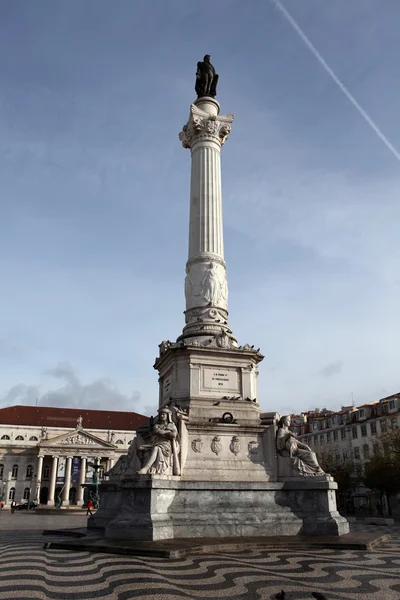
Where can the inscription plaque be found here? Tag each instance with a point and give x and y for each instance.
(217, 379)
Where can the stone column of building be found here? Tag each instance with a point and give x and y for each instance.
(39, 469)
(111, 462)
(53, 476)
(67, 481)
(206, 288)
(82, 478)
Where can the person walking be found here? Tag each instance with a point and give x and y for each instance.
(89, 507)
(13, 505)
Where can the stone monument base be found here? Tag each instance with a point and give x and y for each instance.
(160, 508)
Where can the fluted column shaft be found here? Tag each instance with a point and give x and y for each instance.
(206, 288)
(205, 224)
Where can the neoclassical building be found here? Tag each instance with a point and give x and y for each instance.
(47, 452)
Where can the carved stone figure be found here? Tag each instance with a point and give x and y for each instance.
(211, 285)
(118, 469)
(157, 447)
(206, 78)
(302, 457)
(79, 422)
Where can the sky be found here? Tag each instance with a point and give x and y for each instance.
(94, 194)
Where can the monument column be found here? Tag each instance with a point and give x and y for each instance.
(82, 479)
(206, 288)
(50, 499)
(67, 483)
(38, 477)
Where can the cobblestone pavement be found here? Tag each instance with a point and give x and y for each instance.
(27, 571)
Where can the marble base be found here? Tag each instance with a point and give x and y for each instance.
(159, 509)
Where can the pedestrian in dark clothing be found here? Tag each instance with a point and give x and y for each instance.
(13, 505)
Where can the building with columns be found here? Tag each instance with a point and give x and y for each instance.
(48, 452)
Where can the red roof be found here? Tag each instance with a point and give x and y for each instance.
(50, 416)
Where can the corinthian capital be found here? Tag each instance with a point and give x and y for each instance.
(203, 125)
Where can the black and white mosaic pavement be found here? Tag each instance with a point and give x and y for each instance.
(27, 571)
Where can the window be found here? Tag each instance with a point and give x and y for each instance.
(46, 472)
(328, 437)
(14, 472)
(376, 448)
(373, 428)
(357, 453)
(361, 413)
(33, 438)
(385, 408)
(19, 438)
(119, 442)
(392, 404)
(29, 471)
(383, 425)
(344, 454)
(321, 439)
(335, 436)
(27, 493)
(11, 494)
(5, 437)
(343, 433)
(358, 470)
(1, 471)
(316, 440)
(337, 457)
(366, 451)
(364, 430)
(354, 432)
(394, 423)
(315, 426)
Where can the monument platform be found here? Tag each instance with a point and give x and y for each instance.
(90, 541)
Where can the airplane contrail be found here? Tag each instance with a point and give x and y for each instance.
(335, 78)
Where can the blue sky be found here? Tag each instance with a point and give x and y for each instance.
(94, 195)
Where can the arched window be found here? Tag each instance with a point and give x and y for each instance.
(46, 472)
(11, 494)
(19, 438)
(1, 471)
(5, 437)
(27, 493)
(29, 470)
(119, 442)
(33, 438)
(14, 472)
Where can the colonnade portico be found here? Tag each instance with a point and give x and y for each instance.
(71, 455)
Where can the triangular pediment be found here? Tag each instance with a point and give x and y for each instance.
(77, 437)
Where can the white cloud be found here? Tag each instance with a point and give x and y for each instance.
(72, 393)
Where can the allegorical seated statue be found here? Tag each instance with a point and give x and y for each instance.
(206, 79)
(155, 450)
(302, 457)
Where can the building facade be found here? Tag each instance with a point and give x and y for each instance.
(48, 454)
(351, 434)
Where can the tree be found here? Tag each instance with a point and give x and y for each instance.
(382, 474)
(339, 467)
